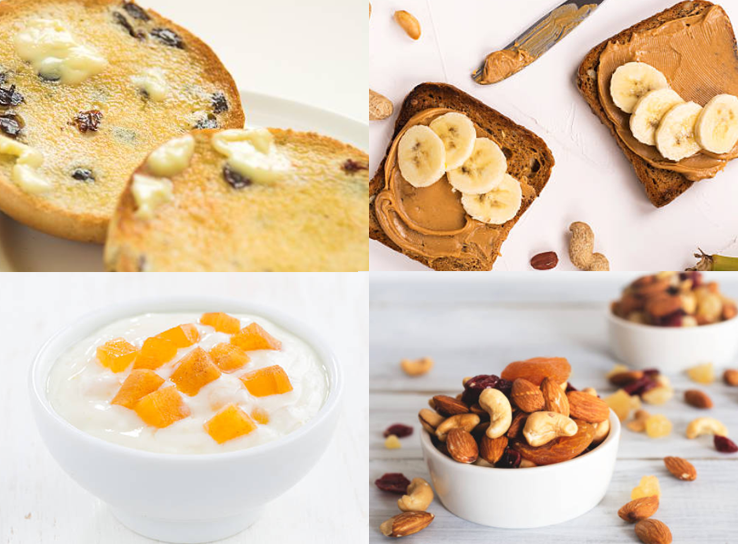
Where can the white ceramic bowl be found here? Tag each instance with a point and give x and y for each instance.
(523, 498)
(672, 349)
(183, 498)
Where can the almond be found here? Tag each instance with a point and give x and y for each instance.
(555, 399)
(516, 427)
(639, 509)
(406, 524)
(681, 468)
(663, 305)
(587, 407)
(698, 399)
(461, 446)
(653, 531)
(527, 396)
(621, 379)
(449, 406)
(491, 449)
(731, 377)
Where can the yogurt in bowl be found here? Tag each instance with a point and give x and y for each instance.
(176, 482)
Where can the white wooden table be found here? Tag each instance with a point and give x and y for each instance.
(592, 180)
(477, 327)
(40, 504)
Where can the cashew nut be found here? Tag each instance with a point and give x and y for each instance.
(542, 427)
(459, 421)
(430, 420)
(581, 249)
(417, 367)
(590, 391)
(418, 498)
(638, 424)
(495, 403)
(601, 432)
(706, 425)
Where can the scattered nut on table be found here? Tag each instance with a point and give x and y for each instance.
(581, 249)
(409, 23)
(380, 107)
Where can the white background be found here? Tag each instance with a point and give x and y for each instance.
(40, 504)
(592, 180)
(477, 324)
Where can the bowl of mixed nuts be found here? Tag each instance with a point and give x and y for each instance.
(520, 450)
(673, 321)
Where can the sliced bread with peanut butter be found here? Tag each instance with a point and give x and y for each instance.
(244, 201)
(88, 88)
(667, 89)
(457, 177)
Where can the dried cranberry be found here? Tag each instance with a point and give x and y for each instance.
(640, 386)
(570, 387)
(136, 12)
(88, 120)
(351, 166)
(510, 459)
(210, 121)
(168, 37)
(505, 386)
(10, 97)
(234, 179)
(394, 482)
(651, 372)
(83, 174)
(723, 444)
(399, 430)
(672, 320)
(220, 103)
(474, 387)
(11, 124)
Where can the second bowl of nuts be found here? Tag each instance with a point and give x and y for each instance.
(673, 321)
(521, 450)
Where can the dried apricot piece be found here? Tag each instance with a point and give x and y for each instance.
(195, 371)
(648, 487)
(228, 357)
(658, 426)
(162, 407)
(703, 373)
(221, 322)
(154, 353)
(116, 354)
(231, 422)
(621, 404)
(537, 369)
(253, 337)
(182, 336)
(260, 415)
(138, 384)
(272, 380)
(558, 450)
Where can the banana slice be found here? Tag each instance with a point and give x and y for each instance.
(631, 81)
(649, 111)
(717, 126)
(675, 136)
(421, 156)
(499, 205)
(458, 134)
(482, 171)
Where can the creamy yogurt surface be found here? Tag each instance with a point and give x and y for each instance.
(80, 388)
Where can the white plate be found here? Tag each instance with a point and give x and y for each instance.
(26, 250)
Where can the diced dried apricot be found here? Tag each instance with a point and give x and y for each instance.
(538, 369)
(229, 423)
(620, 403)
(116, 354)
(703, 373)
(253, 337)
(221, 322)
(272, 380)
(154, 353)
(647, 487)
(260, 415)
(658, 395)
(392, 443)
(228, 357)
(658, 426)
(162, 407)
(138, 384)
(195, 371)
(182, 336)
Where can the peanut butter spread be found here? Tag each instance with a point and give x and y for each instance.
(502, 64)
(431, 221)
(698, 57)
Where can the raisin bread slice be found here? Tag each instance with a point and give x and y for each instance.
(89, 88)
(278, 200)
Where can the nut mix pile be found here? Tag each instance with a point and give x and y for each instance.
(529, 416)
(671, 299)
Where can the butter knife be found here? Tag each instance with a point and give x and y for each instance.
(535, 41)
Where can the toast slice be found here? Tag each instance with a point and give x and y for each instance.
(311, 219)
(155, 81)
(528, 158)
(662, 186)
